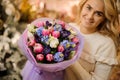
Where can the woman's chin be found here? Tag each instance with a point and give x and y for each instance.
(85, 24)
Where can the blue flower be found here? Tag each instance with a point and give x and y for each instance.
(39, 31)
(72, 44)
(44, 39)
(64, 43)
(58, 57)
(57, 27)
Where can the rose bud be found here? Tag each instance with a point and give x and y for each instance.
(39, 24)
(56, 34)
(60, 48)
(62, 23)
(38, 48)
(75, 40)
(40, 57)
(49, 57)
(31, 42)
(45, 32)
(51, 29)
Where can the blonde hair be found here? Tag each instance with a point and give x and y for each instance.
(111, 23)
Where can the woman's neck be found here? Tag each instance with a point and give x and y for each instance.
(85, 30)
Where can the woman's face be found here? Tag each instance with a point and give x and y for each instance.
(92, 15)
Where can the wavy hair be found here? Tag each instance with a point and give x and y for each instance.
(111, 23)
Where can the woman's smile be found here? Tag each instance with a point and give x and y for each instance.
(92, 15)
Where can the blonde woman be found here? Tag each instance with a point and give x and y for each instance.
(97, 21)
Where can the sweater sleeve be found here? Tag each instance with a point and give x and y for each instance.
(107, 53)
(105, 58)
(101, 72)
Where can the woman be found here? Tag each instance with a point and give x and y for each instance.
(98, 23)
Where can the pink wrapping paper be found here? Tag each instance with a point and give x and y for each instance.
(41, 71)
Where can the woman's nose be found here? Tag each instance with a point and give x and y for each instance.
(91, 15)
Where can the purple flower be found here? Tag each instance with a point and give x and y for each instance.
(48, 23)
(37, 39)
(65, 33)
(67, 51)
(46, 50)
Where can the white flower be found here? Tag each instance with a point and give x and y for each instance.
(53, 42)
(73, 32)
(30, 35)
(71, 36)
(31, 28)
(68, 28)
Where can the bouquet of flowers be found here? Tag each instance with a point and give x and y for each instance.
(50, 46)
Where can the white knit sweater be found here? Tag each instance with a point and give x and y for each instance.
(98, 56)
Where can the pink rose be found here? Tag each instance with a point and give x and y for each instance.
(60, 48)
(38, 48)
(39, 24)
(49, 57)
(56, 34)
(45, 32)
(31, 42)
(75, 40)
(62, 23)
(40, 57)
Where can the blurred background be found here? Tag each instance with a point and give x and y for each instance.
(14, 16)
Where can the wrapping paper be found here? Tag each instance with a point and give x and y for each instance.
(41, 71)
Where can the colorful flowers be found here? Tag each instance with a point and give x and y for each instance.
(52, 42)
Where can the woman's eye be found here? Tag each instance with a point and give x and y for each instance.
(88, 7)
(99, 14)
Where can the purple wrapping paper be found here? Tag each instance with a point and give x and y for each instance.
(30, 72)
(40, 71)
